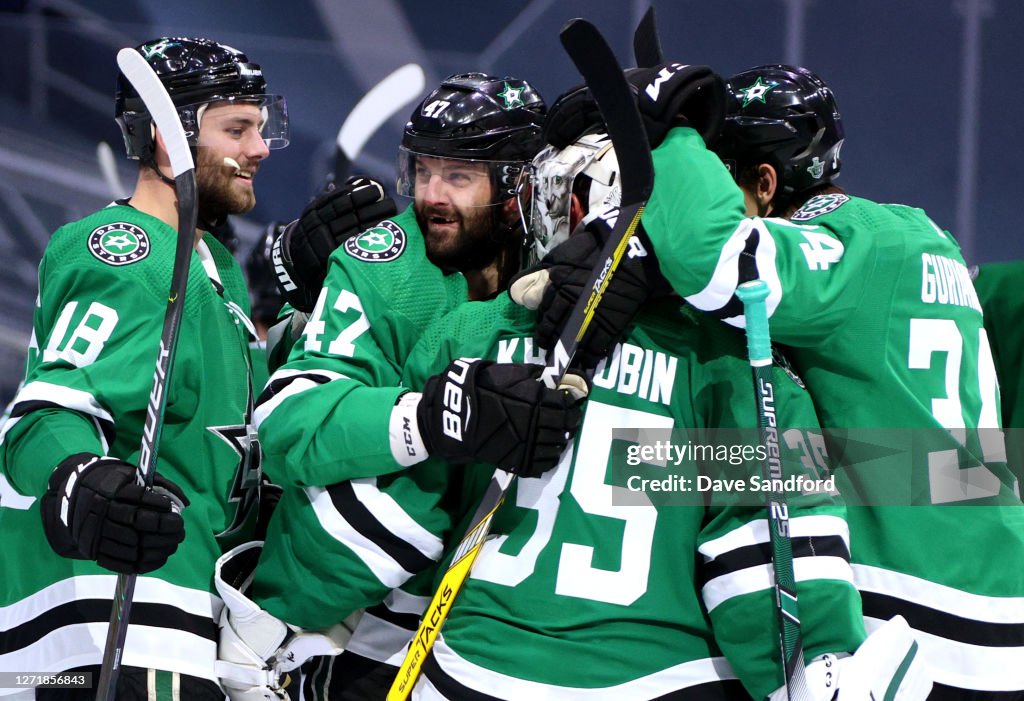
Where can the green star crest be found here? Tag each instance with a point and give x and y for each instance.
(119, 243)
(756, 92)
(513, 97)
(157, 48)
(382, 243)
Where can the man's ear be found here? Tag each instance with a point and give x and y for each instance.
(160, 152)
(767, 186)
(575, 212)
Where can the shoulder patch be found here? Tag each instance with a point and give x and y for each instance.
(382, 243)
(818, 205)
(119, 243)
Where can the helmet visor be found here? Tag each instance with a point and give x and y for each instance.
(273, 124)
(484, 183)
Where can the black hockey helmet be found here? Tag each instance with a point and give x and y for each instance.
(475, 117)
(196, 72)
(785, 116)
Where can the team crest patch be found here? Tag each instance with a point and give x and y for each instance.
(382, 243)
(119, 243)
(818, 205)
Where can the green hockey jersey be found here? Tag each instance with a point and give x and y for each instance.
(591, 588)
(998, 286)
(324, 416)
(103, 285)
(886, 329)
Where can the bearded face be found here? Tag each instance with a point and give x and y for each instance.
(228, 131)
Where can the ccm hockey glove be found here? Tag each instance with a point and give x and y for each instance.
(554, 285)
(94, 509)
(887, 665)
(300, 254)
(498, 413)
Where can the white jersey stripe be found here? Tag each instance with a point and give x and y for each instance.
(756, 532)
(752, 579)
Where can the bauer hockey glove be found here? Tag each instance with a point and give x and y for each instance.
(667, 95)
(300, 254)
(498, 413)
(256, 651)
(887, 665)
(95, 509)
(553, 286)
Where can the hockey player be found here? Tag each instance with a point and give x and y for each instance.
(885, 328)
(997, 285)
(335, 420)
(585, 592)
(76, 515)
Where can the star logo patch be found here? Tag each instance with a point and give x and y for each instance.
(382, 243)
(756, 92)
(513, 97)
(119, 243)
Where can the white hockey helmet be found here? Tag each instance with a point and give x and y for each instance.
(556, 178)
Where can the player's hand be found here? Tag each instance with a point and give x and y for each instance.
(94, 509)
(300, 254)
(888, 665)
(554, 285)
(667, 95)
(673, 94)
(500, 414)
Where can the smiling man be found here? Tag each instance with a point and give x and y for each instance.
(70, 508)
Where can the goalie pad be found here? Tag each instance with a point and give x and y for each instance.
(256, 651)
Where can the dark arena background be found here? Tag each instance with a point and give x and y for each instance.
(930, 91)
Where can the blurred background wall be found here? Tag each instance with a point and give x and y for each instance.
(931, 93)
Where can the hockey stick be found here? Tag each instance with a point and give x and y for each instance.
(108, 169)
(646, 42)
(759, 351)
(158, 104)
(398, 89)
(597, 64)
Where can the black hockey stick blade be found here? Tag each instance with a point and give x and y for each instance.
(158, 103)
(604, 77)
(646, 42)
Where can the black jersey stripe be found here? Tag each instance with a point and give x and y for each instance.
(408, 556)
(277, 386)
(943, 624)
(761, 554)
(731, 690)
(24, 408)
(408, 621)
(98, 611)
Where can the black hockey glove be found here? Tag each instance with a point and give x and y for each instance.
(554, 285)
(95, 510)
(497, 413)
(572, 115)
(300, 254)
(673, 94)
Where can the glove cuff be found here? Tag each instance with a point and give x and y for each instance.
(55, 505)
(407, 444)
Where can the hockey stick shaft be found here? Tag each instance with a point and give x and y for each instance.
(377, 106)
(759, 350)
(158, 104)
(602, 73)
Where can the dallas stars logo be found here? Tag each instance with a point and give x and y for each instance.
(756, 92)
(158, 48)
(382, 243)
(119, 243)
(244, 492)
(513, 97)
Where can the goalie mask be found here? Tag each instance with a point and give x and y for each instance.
(787, 117)
(195, 73)
(587, 168)
(475, 118)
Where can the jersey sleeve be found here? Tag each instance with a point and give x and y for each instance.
(97, 335)
(706, 247)
(736, 557)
